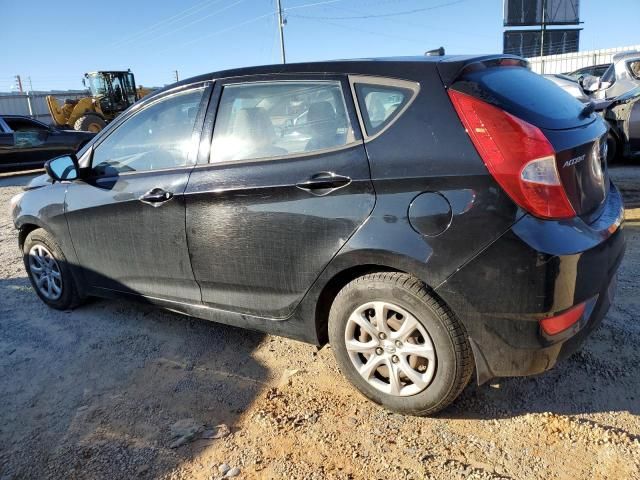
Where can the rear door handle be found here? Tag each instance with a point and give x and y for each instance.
(156, 197)
(323, 182)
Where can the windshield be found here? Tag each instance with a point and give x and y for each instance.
(97, 85)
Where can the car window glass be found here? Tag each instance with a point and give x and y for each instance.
(379, 104)
(155, 138)
(634, 68)
(264, 120)
(610, 74)
(19, 125)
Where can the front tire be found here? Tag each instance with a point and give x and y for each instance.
(49, 271)
(399, 344)
(90, 123)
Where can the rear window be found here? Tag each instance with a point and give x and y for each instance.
(381, 100)
(530, 96)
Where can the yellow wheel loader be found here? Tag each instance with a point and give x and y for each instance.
(111, 94)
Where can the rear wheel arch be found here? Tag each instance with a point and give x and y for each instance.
(337, 282)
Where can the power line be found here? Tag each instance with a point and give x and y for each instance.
(422, 26)
(377, 33)
(167, 21)
(224, 30)
(182, 27)
(307, 5)
(382, 15)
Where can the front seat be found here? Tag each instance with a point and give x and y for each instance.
(322, 124)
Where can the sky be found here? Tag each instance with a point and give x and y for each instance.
(54, 43)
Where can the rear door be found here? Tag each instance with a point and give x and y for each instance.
(286, 184)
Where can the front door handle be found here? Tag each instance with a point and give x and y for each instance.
(323, 183)
(156, 197)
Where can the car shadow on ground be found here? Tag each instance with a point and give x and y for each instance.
(98, 389)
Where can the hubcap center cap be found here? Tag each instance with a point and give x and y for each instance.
(389, 347)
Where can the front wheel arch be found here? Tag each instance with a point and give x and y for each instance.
(24, 231)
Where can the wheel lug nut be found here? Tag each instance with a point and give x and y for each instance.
(379, 351)
(398, 344)
(395, 359)
(382, 336)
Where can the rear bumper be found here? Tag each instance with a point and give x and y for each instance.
(536, 270)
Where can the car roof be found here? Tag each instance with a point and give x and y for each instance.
(384, 66)
(626, 55)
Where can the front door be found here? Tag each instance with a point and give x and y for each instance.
(287, 184)
(127, 221)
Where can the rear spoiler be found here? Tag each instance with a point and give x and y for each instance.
(452, 68)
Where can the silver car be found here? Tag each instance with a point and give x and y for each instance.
(622, 75)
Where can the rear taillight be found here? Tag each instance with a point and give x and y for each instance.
(518, 156)
(561, 322)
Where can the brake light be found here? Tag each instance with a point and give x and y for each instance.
(518, 156)
(559, 323)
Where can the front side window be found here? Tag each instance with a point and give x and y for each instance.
(274, 119)
(380, 104)
(157, 137)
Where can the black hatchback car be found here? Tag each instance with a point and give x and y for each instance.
(426, 216)
(26, 143)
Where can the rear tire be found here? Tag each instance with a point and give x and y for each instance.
(90, 123)
(49, 271)
(423, 382)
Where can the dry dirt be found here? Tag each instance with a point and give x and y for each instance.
(94, 393)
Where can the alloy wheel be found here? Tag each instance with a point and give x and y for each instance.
(45, 271)
(390, 349)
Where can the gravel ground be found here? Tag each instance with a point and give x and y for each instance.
(105, 391)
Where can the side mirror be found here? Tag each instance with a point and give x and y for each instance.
(64, 168)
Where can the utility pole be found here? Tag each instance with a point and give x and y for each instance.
(175, 72)
(281, 23)
(29, 93)
(19, 83)
(542, 29)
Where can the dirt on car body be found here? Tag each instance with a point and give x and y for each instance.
(97, 393)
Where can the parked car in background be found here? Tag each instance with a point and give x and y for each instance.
(569, 85)
(622, 75)
(623, 116)
(427, 216)
(26, 143)
(593, 70)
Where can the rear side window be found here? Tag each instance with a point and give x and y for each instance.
(275, 119)
(380, 105)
